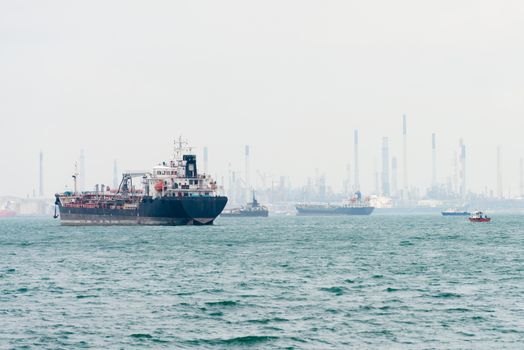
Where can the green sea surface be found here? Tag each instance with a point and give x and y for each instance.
(376, 282)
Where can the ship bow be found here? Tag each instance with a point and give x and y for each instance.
(204, 210)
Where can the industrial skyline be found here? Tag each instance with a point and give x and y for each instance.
(239, 183)
(294, 86)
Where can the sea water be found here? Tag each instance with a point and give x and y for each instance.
(406, 282)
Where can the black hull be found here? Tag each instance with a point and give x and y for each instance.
(305, 211)
(160, 211)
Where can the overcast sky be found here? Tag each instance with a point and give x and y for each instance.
(121, 79)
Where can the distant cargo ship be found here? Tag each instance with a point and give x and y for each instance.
(174, 193)
(454, 212)
(355, 206)
(252, 209)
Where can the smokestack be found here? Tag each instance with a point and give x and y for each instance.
(377, 181)
(434, 161)
(347, 186)
(82, 171)
(41, 175)
(357, 177)
(394, 177)
(385, 167)
(455, 173)
(405, 184)
(521, 178)
(462, 168)
(230, 181)
(500, 193)
(205, 160)
(248, 187)
(115, 175)
(234, 187)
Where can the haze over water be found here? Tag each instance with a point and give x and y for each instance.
(282, 282)
(121, 79)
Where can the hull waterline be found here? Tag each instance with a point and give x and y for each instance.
(162, 211)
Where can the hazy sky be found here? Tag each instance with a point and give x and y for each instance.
(121, 79)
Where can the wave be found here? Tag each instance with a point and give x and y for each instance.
(222, 303)
(86, 296)
(269, 320)
(141, 336)
(334, 290)
(241, 341)
(446, 295)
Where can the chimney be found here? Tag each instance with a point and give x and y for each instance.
(115, 175)
(248, 186)
(500, 193)
(41, 175)
(462, 169)
(521, 178)
(356, 177)
(405, 184)
(82, 171)
(385, 167)
(394, 177)
(433, 161)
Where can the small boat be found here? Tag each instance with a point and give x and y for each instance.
(7, 213)
(479, 216)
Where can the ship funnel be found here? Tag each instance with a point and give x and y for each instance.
(356, 177)
(191, 166)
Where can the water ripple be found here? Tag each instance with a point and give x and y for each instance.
(283, 283)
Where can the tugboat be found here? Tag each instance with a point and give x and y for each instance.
(252, 209)
(173, 193)
(479, 216)
(355, 206)
(6, 211)
(455, 212)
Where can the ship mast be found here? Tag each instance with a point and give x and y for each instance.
(181, 147)
(75, 177)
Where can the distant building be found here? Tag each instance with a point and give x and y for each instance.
(405, 185)
(115, 175)
(356, 178)
(500, 190)
(394, 177)
(82, 175)
(433, 160)
(41, 175)
(385, 167)
(462, 169)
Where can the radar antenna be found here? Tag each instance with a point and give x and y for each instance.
(181, 147)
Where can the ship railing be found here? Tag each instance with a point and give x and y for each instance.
(189, 190)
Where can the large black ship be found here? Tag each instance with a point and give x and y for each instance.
(173, 193)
